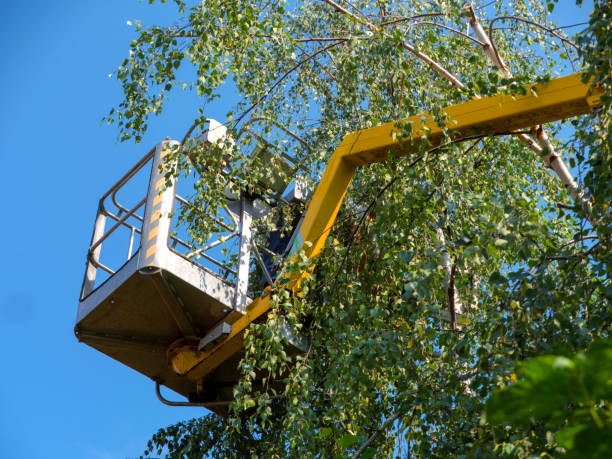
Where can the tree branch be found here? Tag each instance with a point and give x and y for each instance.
(552, 159)
(451, 29)
(451, 292)
(424, 57)
(449, 278)
(287, 73)
(410, 18)
(375, 435)
(260, 119)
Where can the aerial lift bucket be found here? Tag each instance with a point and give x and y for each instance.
(162, 299)
(150, 312)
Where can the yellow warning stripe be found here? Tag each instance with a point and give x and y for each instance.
(151, 251)
(153, 232)
(157, 199)
(155, 216)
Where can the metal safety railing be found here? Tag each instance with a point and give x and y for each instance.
(234, 234)
(230, 233)
(194, 253)
(122, 216)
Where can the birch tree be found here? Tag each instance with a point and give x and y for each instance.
(449, 267)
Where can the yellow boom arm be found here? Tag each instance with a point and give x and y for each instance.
(560, 98)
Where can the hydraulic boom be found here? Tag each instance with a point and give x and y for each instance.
(181, 321)
(558, 99)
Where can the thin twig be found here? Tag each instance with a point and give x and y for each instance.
(570, 26)
(324, 67)
(287, 73)
(260, 119)
(451, 297)
(320, 39)
(578, 240)
(458, 32)
(188, 133)
(375, 435)
(517, 18)
(411, 49)
(397, 21)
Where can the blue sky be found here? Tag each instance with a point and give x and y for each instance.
(59, 398)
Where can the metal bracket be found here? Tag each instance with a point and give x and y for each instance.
(215, 335)
(174, 306)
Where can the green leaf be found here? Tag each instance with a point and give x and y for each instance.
(501, 243)
(497, 278)
(406, 256)
(348, 440)
(368, 453)
(565, 437)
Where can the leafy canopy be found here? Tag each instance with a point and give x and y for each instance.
(479, 227)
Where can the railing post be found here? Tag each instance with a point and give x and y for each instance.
(131, 244)
(158, 209)
(93, 256)
(244, 256)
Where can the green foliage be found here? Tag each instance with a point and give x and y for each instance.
(594, 136)
(568, 396)
(384, 371)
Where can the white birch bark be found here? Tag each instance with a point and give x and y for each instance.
(552, 160)
(474, 297)
(447, 266)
